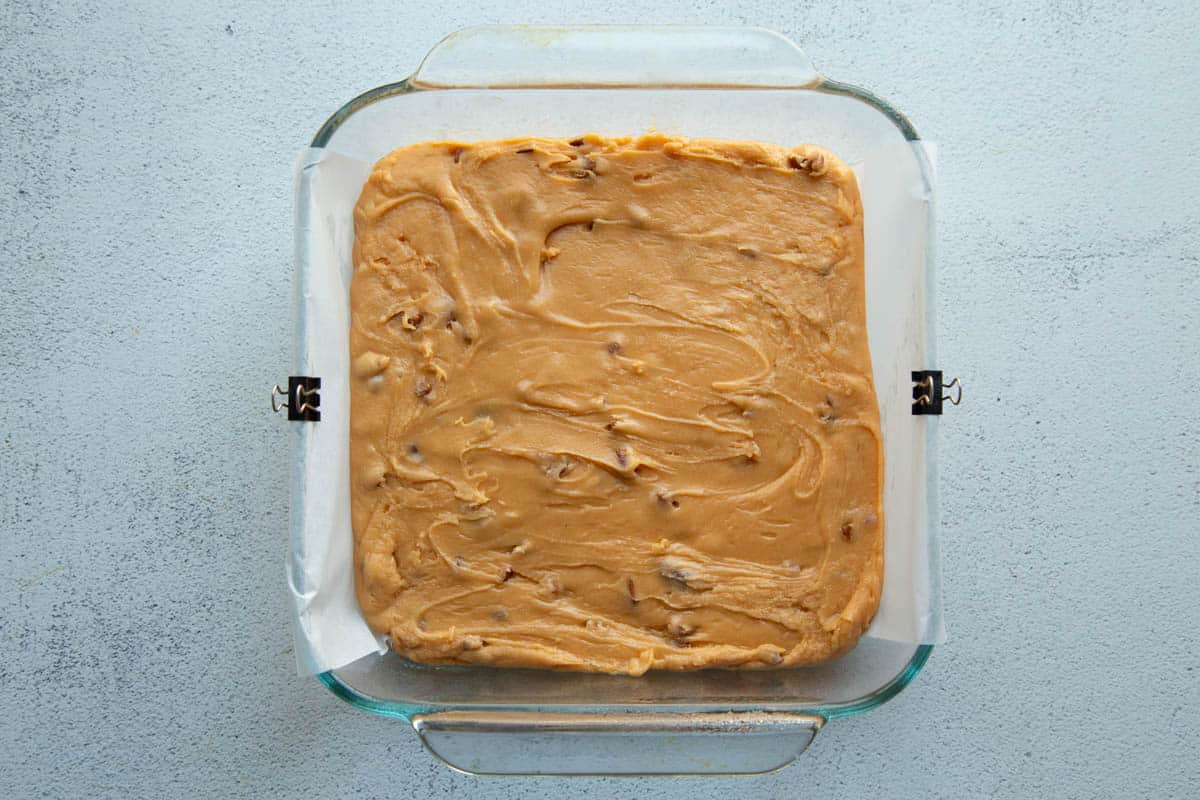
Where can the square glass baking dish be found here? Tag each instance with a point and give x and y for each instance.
(737, 83)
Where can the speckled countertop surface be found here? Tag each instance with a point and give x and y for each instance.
(145, 249)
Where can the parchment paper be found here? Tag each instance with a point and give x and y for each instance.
(330, 629)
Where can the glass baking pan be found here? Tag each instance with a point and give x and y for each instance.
(736, 83)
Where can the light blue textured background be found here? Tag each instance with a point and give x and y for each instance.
(145, 243)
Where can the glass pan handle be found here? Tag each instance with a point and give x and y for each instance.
(531, 743)
(526, 56)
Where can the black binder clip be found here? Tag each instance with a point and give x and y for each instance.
(927, 392)
(303, 401)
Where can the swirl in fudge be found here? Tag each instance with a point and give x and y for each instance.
(611, 405)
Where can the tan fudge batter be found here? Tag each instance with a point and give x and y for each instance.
(611, 405)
